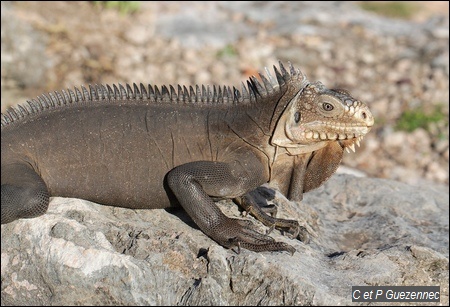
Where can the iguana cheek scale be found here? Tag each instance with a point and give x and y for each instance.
(146, 147)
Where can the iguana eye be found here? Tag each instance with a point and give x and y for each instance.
(297, 117)
(327, 106)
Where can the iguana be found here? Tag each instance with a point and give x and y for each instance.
(149, 147)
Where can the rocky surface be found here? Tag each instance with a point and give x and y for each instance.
(394, 65)
(364, 232)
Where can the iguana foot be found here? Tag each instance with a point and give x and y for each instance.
(255, 202)
(261, 195)
(240, 233)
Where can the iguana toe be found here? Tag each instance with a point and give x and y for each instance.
(240, 233)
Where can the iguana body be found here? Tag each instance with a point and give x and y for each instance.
(144, 148)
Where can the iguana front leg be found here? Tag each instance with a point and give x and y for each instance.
(195, 183)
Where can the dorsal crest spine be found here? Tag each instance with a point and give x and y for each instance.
(250, 92)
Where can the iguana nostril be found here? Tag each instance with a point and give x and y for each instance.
(367, 117)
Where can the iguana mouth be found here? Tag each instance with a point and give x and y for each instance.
(333, 136)
(348, 139)
(349, 144)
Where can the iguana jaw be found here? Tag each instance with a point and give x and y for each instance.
(347, 143)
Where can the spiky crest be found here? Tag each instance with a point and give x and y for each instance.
(253, 92)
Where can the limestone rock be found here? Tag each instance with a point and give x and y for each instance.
(364, 231)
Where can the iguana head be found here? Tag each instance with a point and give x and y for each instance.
(317, 116)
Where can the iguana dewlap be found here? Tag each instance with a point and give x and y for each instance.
(150, 147)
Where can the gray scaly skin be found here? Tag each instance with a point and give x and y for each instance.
(142, 147)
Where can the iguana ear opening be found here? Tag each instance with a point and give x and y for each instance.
(281, 135)
(290, 122)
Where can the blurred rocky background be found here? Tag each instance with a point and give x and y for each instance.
(392, 55)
